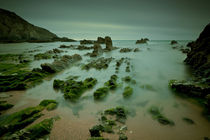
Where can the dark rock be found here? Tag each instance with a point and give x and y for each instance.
(59, 65)
(97, 50)
(123, 137)
(4, 105)
(125, 50)
(100, 63)
(142, 40)
(136, 50)
(108, 42)
(187, 120)
(86, 41)
(199, 56)
(174, 42)
(100, 40)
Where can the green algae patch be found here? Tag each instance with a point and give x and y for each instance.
(11, 68)
(112, 82)
(100, 93)
(20, 81)
(37, 131)
(49, 104)
(4, 105)
(19, 120)
(157, 115)
(97, 138)
(128, 91)
(73, 89)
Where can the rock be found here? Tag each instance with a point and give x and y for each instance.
(100, 63)
(174, 42)
(128, 91)
(125, 50)
(100, 40)
(97, 50)
(157, 115)
(74, 89)
(199, 55)
(108, 42)
(136, 50)
(96, 130)
(59, 65)
(112, 83)
(190, 88)
(100, 93)
(124, 127)
(86, 41)
(15, 29)
(142, 40)
(185, 50)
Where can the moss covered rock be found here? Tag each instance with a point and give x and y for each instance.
(128, 91)
(100, 93)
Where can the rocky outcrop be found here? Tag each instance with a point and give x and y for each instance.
(86, 41)
(142, 40)
(199, 56)
(174, 42)
(59, 65)
(108, 42)
(100, 40)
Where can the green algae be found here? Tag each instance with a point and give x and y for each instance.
(4, 105)
(74, 89)
(128, 91)
(100, 93)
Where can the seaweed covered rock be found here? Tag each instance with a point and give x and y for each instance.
(100, 63)
(142, 40)
(199, 55)
(4, 105)
(119, 112)
(136, 50)
(100, 93)
(36, 131)
(174, 42)
(73, 89)
(20, 81)
(157, 115)
(125, 50)
(59, 65)
(19, 120)
(49, 104)
(128, 91)
(112, 82)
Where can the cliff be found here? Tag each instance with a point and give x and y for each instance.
(13, 28)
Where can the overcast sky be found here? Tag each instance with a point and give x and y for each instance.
(120, 19)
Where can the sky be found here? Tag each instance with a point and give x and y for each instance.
(120, 19)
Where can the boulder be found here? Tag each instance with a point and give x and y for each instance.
(100, 40)
(86, 41)
(174, 42)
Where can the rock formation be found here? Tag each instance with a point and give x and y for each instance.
(108, 42)
(199, 56)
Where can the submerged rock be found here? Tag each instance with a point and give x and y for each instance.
(142, 40)
(125, 50)
(187, 120)
(157, 115)
(100, 93)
